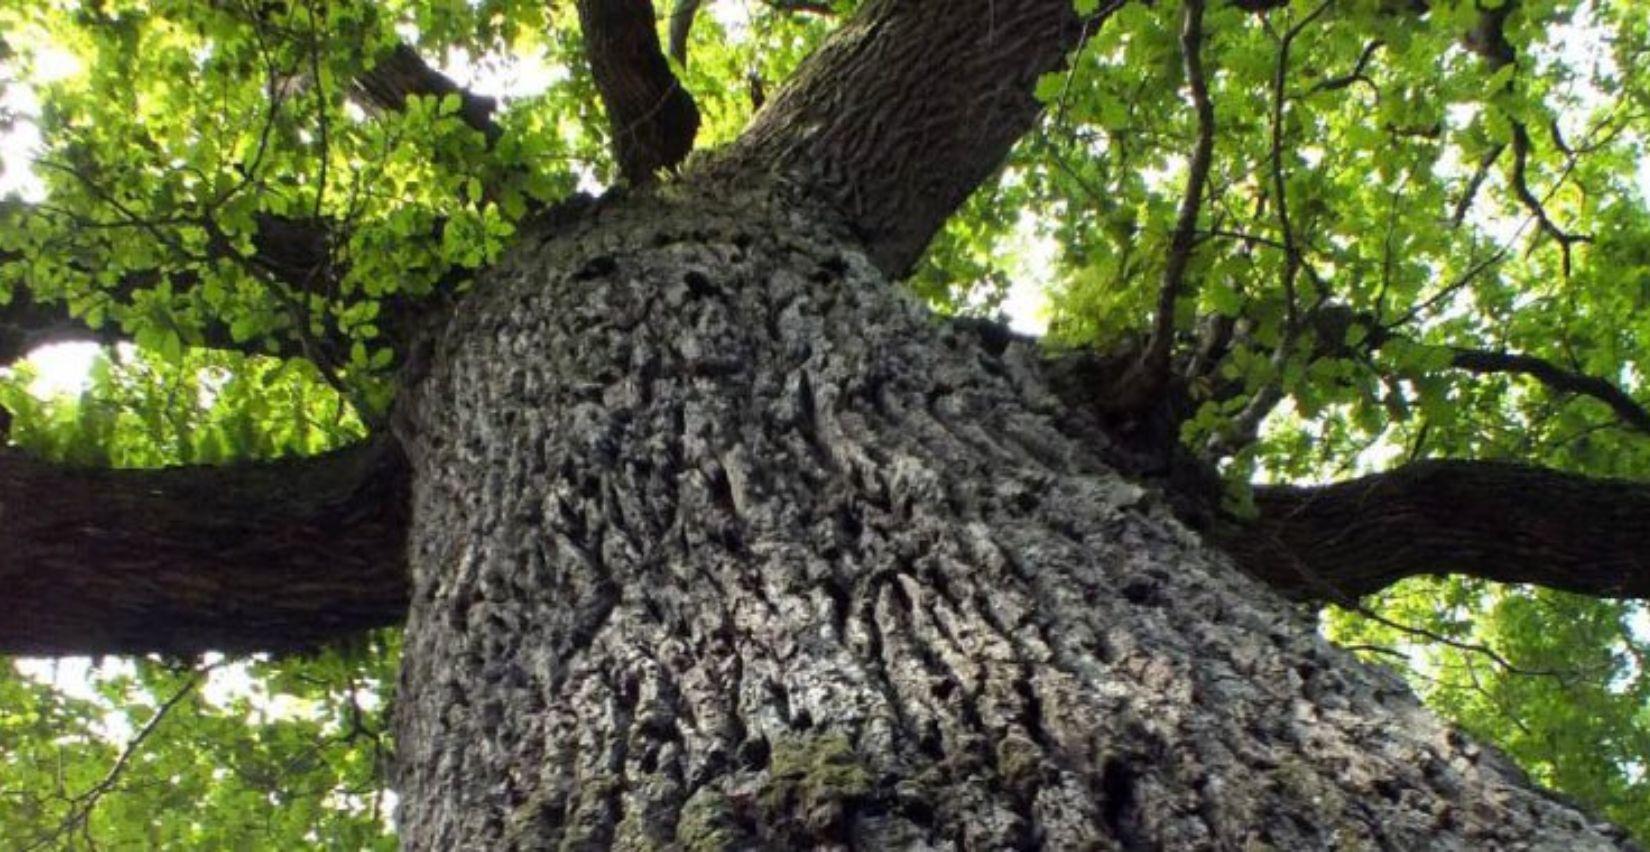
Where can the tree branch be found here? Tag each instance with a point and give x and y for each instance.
(652, 117)
(1555, 378)
(1497, 521)
(897, 144)
(1358, 74)
(1521, 187)
(683, 13)
(1147, 377)
(1244, 428)
(273, 556)
(82, 804)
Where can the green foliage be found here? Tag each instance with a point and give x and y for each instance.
(253, 755)
(1378, 184)
(257, 754)
(204, 407)
(1556, 680)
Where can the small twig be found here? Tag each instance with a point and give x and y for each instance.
(1470, 193)
(1557, 378)
(1245, 426)
(1356, 75)
(1334, 595)
(1521, 188)
(320, 113)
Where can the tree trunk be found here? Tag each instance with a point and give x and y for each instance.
(720, 543)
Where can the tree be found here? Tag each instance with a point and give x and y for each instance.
(707, 535)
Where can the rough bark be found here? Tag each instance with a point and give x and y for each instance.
(718, 542)
(907, 108)
(276, 556)
(1498, 521)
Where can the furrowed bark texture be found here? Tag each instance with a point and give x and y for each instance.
(907, 108)
(268, 557)
(1505, 522)
(719, 542)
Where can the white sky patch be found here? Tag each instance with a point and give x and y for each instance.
(62, 369)
(20, 144)
(509, 77)
(735, 19)
(1030, 274)
(1174, 165)
(76, 677)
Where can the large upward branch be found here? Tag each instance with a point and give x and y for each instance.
(254, 557)
(652, 117)
(907, 108)
(1504, 522)
(1149, 375)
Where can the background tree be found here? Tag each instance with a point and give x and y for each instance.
(1402, 238)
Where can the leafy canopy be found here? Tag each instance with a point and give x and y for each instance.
(1391, 182)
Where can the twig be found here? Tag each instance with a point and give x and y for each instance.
(1146, 378)
(1356, 75)
(1557, 378)
(82, 804)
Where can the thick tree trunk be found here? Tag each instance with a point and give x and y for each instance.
(720, 543)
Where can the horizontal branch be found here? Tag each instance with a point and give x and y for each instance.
(271, 556)
(1493, 520)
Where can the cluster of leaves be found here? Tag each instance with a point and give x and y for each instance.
(154, 755)
(204, 407)
(1558, 681)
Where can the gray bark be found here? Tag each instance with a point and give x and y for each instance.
(719, 543)
(907, 108)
